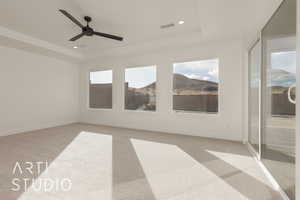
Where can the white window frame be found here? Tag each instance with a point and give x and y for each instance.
(187, 112)
(156, 89)
(88, 89)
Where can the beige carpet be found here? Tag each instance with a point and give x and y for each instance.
(106, 163)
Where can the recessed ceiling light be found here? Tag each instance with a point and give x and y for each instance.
(181, 22)
(75, 47)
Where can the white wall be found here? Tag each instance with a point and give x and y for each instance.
(36, 91)
(227, 124)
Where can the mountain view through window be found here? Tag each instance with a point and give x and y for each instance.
(196, 86)
(140, 88)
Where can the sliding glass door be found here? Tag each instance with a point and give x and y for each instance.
(278, 96)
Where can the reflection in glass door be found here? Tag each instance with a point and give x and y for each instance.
(278, 96)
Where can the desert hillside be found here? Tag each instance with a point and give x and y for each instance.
(184, 85)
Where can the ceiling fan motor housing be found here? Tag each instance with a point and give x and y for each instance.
(88, 31)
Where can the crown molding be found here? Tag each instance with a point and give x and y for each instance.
(14, 38)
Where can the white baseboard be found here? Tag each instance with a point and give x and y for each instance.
(161, 130)
(273, 181)
(43, 126)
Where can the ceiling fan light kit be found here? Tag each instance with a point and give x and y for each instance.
(87, 30)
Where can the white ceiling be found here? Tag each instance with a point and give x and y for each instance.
(138, 21)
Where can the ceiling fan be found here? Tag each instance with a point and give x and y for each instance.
(87, 30)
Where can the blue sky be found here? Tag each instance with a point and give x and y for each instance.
(137, 77)
(284, 60)
(202, 70)
(101, 77)
(140, 77)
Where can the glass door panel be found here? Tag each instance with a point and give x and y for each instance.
(278, 96)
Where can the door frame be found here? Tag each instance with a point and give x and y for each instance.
(252, 149)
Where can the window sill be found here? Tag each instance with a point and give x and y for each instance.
(195, 112)
(100, 109)
(140, 111)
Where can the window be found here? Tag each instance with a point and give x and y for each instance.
(101, 89)
(195, 86)
(140, 88)
(282, 83)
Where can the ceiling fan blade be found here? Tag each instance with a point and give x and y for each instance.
(108, 36)
(77, 37)
(68, 15)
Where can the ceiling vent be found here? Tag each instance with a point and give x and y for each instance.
(167, 25)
